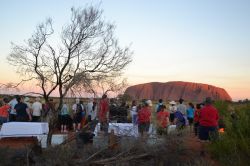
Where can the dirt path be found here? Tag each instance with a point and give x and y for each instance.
(193, 148)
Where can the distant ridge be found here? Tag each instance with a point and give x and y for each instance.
(174, 90)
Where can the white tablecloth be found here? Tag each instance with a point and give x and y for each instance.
(23, 129)
(124, 129)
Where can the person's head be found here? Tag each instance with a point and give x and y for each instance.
(77, 100)
(148, 103)
(191, 105)
(38, 99)
(26, 99)
(91, 100)
(198, 106)
(104, 96)
(160, 101)
(162, 107)
(133, 103)
(208, 101)
(19, 99)
(5, 100)
(181, 100)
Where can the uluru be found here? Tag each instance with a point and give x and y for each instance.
(189, 91)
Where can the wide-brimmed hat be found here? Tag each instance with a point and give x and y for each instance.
(26, 99)
(172, 102)
(149, 102)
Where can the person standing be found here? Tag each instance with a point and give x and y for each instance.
(12, 114)
(208, 120)
(182, 108)
(172, 110)
(36, 110)
(190, 115)
(104, 114)
(144, 115)
(157, 107)
(22, 111)
(196, 118)
(162, 120)
(4, 111)
(134, 112)
(64, 118)
(89, 108)
(208, 123)
(77, 115)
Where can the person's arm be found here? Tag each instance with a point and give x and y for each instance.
(29, 113)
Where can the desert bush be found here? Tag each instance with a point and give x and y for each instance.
(233, 147)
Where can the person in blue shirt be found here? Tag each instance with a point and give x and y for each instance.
(190, 115)
(160, 102)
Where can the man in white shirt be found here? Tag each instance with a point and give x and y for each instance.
(37, 108)
(89, 109)
(12, 103)
(182, 107)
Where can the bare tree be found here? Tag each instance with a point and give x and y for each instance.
(87, 51)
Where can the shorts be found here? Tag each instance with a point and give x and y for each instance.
(3, 120)
(64, 119)
(77, 118)
(171, 117)
(207, 133)
(190, 121)
(143, 127)
(36, 119)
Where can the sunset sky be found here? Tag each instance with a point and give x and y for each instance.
(204, 41)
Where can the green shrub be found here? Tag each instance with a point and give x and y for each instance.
(233, 147)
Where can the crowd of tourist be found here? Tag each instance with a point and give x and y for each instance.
(202, 119)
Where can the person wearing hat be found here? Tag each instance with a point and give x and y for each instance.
(172, 110)
(144, 115)
(208, 122)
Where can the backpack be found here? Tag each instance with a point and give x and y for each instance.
(79, 108)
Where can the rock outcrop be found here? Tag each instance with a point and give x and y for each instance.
(195, 92)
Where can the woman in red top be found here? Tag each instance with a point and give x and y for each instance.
(162, 119)
(144, 115)
(103, 115)
(4, 111)
(196, 118)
